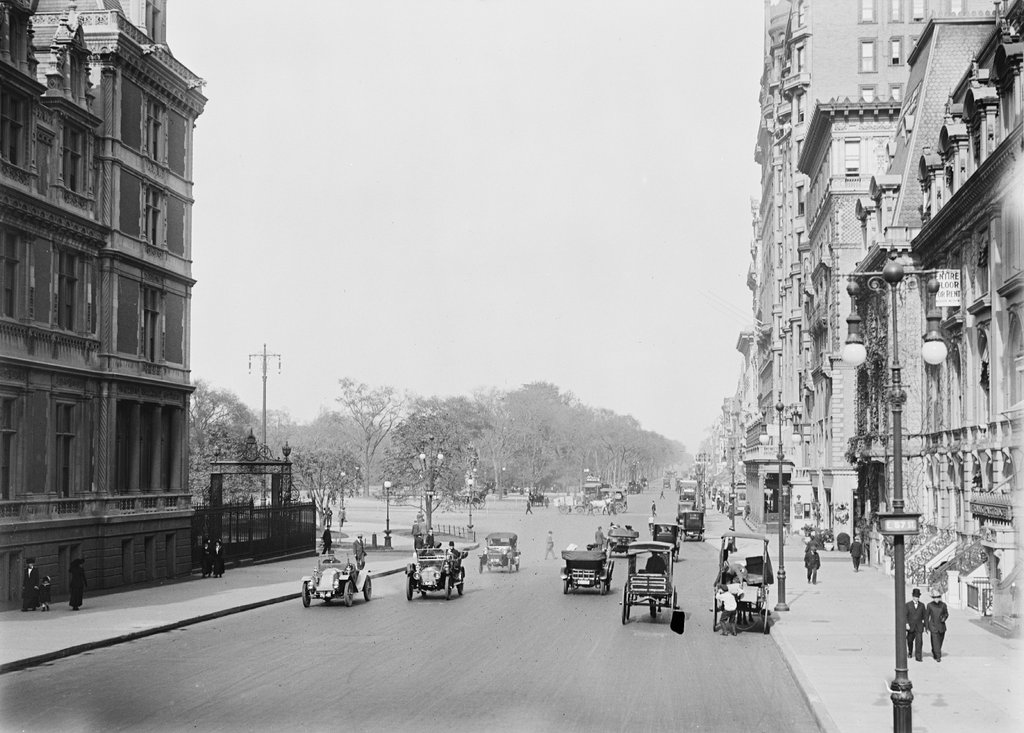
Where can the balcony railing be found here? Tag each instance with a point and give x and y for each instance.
(767, 453)
(32, 509)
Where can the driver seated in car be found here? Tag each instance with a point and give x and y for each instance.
(655, 564)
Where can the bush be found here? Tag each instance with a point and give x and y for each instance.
(843, 541)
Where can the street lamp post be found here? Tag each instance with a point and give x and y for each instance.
(387, 520)
(474, 458)
(781, 605)
(431, 465)
(933, 352)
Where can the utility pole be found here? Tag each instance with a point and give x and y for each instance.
(263, 357)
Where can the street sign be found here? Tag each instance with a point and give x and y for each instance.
(949, 288)
(896, 524)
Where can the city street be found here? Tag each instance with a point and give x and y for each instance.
(513, 654)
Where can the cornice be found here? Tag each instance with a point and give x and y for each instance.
(43, 217)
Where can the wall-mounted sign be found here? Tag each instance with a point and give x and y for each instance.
(949, 288)
(993, 511)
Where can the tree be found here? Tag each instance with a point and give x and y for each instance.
(374, 412)
(217, 418)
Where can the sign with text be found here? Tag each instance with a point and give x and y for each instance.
(949, 288)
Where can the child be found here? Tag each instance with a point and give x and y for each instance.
(728, 601)
(44, 593)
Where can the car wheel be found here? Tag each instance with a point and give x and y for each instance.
(305, 595)
(675, 600)
(603, 587)
(448, 589)
(625, 607)
(367, 590)
(482, 563)
(409, 589)
(766, 619)
(565, 587)
(654, 609)
(350, 591)
(460, 587)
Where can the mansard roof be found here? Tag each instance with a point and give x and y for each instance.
(59, 6)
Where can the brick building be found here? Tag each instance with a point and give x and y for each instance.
(95, 242)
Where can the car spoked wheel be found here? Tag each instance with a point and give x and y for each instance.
(448, 588)
(409, 589)
(462, 582)
(367, 590)
(625, 606)
(305, 595)
(565, 587)
(350, 591)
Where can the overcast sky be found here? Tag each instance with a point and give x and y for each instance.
(444, 195)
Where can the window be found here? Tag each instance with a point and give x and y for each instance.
(8, 273)
(851, 157)
(71, 161)
(801, 201)
(801, 107)
(895, 11)
(867, 11)
(67, 264)
(895, 51)
(867, 94)
(65, 434)
(153, 210)
(13, 126)
(896, 92)
(867, 56)
(154, 128)
(956, 6)
(917, 10)
(801, 58)
(801, 12)
(150, 323)
(7, 435)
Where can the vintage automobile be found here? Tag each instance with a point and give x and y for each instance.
(435, 569)
(334, 578)
(501, 551)
(667, 533)
(745, 568)
(649, 582)
(587, 569)
(692, 523)
(620, 538)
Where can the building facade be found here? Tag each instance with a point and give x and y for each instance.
(95, 237)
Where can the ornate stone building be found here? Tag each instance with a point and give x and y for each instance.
(95, 242)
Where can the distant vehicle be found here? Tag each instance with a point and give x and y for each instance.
(687, 490)
(691, 523)
(333, 578)
(587, 569)
(434, 569)
(620, 538)
(669, 533)
(501, 551)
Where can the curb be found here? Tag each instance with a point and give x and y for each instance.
(101, 643)
(814, 701)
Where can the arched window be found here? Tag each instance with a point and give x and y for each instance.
(1014, 368)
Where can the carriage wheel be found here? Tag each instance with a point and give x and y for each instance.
(654, 609)
(766, 621)
(675, 600)
(625, 606)
(714, 620)
(746, 616)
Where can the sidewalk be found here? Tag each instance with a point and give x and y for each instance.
(839, 639)
(28, 639)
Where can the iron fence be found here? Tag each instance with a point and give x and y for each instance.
(250, 532)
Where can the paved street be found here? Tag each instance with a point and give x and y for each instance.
(513, 654)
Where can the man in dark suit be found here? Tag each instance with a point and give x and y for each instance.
(936, 615)
(915, 625)
(30, 586)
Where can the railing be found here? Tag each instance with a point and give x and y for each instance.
(32, 509)
(453, 530)
(254, 532)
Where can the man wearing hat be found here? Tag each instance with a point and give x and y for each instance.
(936, 615)
(30, 586)
(359, 550)
(915, 625)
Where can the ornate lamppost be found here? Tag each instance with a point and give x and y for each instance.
(474, 458)
(387, 516)
(430, 463)
(781, 605)
(896, 524)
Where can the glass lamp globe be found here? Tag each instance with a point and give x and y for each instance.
(854, 354)
(763, 439)
(934, 352)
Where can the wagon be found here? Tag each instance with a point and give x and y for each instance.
(692, 523)
(748, 559)
(650, 584)
(587, 569)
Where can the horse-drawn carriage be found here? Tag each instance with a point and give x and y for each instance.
(650, 584)
(587, 569)
(747, 576)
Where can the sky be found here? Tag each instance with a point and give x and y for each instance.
(449, 195)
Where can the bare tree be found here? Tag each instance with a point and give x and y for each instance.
(375, 411)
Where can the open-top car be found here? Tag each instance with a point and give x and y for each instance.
(587, 569)
(501, 551)
(669, 533)
(435, 569)
(620, 538)
(334, 578)
(649, 582)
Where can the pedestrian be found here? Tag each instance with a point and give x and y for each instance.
(359, 550)
(550, 547)
(207, 558)
(77, 583)
(812, 561)
(856, 552)
(327, 540)
(650, 524)
(654, 509)
(662, 494)
(599, 538)
(728, 603)
(218, 559)
(329, 517)
(935, 618)
(529, 508)
(30, 586)
(341, 517)
(44, 593)
(915, 625)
